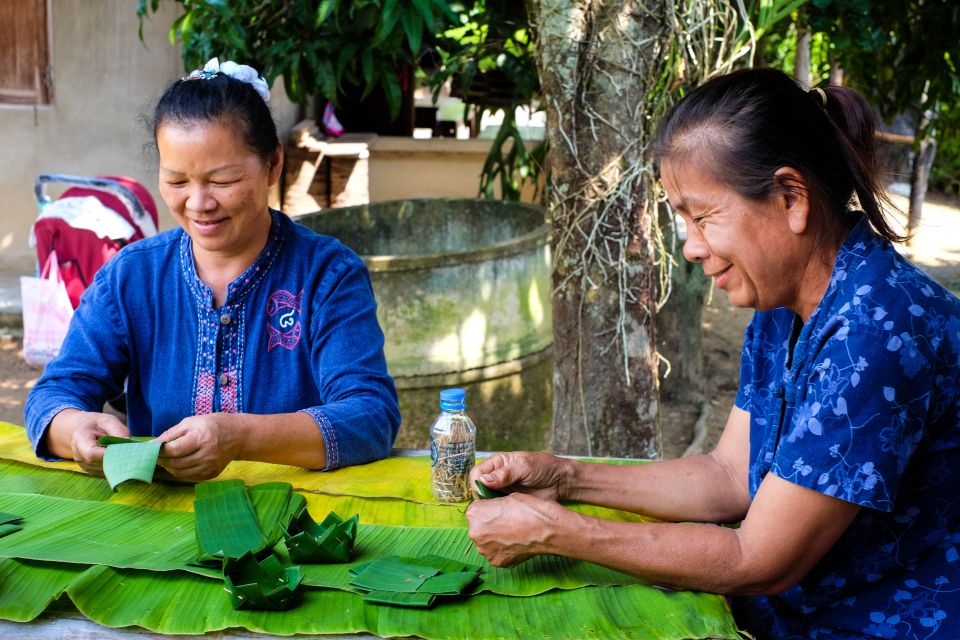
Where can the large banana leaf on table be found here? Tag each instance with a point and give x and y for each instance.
(178, 601)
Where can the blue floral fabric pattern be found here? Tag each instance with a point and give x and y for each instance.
(865, 407)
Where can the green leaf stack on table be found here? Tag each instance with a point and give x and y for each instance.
(139, 572)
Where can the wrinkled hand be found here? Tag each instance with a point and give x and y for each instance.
(199, 447)
(88, 427)
(537, 474)
(514, 528)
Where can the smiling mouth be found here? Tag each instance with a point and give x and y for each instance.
(719, 273)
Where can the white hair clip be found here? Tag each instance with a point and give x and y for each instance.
(241, 72)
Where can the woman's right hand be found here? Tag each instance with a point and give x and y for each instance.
(74, 433)
(538, 474)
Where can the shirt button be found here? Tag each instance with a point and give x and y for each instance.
(224, 319)
(224, 379)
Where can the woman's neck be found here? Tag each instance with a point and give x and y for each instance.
(218, 269)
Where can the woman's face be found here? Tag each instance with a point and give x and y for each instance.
(216, 187)
(747, 247)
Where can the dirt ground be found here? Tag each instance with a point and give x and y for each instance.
(936, 248)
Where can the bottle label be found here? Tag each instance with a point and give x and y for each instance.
(456, 457)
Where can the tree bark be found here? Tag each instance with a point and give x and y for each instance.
(594, 61)
(801, 61)
(919, 178)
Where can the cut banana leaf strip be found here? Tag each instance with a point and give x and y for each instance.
(261, 584)
(126, 461)
(331, 541)
(412, 582)
(226, 521)
(271, 504)
(103, 441)
(391, 574)
(486, 493)
(396, 598)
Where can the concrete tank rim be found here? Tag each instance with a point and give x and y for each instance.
(521, 243)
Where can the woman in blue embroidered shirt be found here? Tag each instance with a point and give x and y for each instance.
(842, 455)
(241, 335)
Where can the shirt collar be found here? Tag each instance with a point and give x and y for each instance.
(246, 281)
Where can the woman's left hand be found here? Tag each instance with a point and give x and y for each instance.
(200, 447)
(514, 528)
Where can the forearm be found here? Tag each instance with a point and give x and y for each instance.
(286, 438)
(697, 557)
(698, 488)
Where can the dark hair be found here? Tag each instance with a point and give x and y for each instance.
(219, 98)
(754, 121)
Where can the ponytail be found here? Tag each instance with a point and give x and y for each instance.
(748, 124)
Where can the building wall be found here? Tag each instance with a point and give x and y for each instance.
(104, 81)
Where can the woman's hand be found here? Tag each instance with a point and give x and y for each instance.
(74, 433)
(514, 528)
(200, 447)
(538, 474)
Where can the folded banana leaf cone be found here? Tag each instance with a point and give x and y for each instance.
(412, 582)
(129, 459)
(9, 523)
(263, 584)
(328, 542)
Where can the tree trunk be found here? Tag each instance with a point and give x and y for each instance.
(801, 62)
(594, 61)
(919, 177)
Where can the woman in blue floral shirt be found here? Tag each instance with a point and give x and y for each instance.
(841, 458)
(240, 335)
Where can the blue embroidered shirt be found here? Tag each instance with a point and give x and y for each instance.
(866, 409)
(297, 332)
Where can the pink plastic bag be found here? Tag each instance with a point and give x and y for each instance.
(46, 313)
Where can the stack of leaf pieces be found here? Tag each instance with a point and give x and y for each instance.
(412, 582)
(9, 523)
(233, 532)
(129, 459)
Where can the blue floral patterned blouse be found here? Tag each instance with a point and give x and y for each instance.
(298, 331)
(867, 410)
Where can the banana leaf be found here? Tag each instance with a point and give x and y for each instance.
(412, 582)
(486, 493)
(226, 521)
(393, 498)
(27, 588)
(127, 461)
(97, 533)
(176, 602)
(331, 541)
(9, 523)
(262, 584)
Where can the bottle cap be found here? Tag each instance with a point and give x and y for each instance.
(453, 399)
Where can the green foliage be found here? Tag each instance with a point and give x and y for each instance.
(901, 54)
(320, 47)
(488, 57)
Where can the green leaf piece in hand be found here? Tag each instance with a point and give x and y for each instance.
(331, 541)
(486, 493)
(134, 460)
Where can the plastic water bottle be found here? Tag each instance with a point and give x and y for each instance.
(452, 448)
